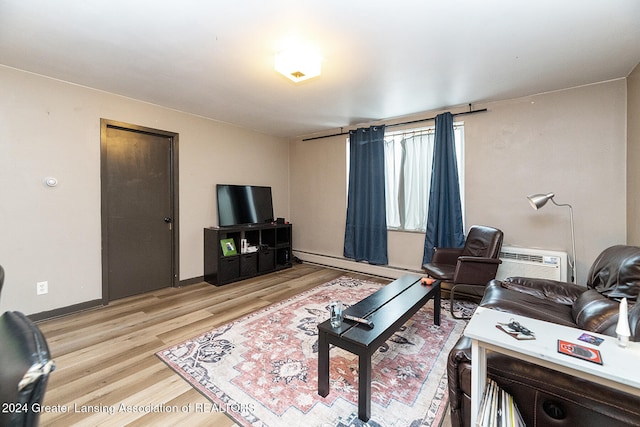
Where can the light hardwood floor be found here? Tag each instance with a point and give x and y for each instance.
(105, 357)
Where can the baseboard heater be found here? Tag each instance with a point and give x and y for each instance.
(529, 262)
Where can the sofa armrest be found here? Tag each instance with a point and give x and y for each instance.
(475, 270)
(445, 255)
(596, 313)
(560, 292)
(458, 375)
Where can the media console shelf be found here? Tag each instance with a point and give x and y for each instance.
(274, 252)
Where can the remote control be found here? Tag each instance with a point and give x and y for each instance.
(369, 323)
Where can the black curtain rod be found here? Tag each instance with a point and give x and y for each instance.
(400, 124)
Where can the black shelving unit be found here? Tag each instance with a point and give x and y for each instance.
(274, 252)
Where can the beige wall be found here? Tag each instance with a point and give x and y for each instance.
(571, 142)
(633, 157)
(51, 128)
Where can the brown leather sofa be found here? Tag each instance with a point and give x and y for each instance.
(25, 364)
(546, 397)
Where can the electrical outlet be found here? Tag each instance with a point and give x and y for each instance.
(42, 288)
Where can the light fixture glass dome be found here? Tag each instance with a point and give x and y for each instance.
(298, 62)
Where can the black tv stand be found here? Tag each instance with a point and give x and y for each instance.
(274, 252)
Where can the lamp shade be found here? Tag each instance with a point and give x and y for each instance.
(539, 200)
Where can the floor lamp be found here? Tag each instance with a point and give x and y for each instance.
(539, 200)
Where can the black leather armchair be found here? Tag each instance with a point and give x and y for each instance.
(25, 364)
(470, 267)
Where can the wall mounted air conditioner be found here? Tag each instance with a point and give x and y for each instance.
(528, 262)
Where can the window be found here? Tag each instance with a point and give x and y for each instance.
(408, 161)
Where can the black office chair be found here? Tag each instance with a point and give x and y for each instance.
(472, 266)
(25, 364)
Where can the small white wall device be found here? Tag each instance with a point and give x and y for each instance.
(50, 182)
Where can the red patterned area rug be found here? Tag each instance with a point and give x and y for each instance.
(262, 369)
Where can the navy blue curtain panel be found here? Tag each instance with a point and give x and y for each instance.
(444, 217)
(365, 236)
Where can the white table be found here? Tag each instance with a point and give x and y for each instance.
(615, 371)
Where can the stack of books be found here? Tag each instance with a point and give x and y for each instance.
(497, 408)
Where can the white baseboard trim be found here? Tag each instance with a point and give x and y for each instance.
(358, 267)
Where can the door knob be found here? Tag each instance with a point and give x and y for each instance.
(168, 220)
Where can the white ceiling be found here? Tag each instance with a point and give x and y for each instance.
(382, 58)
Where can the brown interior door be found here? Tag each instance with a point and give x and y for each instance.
(138, 215)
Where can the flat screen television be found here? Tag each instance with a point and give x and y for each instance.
(243, 204)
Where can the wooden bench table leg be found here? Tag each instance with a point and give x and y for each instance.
(323, 364)
(364, 386)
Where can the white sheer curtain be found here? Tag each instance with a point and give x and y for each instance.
(408, 165)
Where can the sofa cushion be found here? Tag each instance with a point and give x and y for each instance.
(559, 292)
(596, 313)
(634, 321)
(500, 298)
(616, 272)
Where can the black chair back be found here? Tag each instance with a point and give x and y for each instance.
(483, 241)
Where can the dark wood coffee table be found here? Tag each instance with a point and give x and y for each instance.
(388, 309)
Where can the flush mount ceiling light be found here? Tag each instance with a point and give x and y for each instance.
(298, 62)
